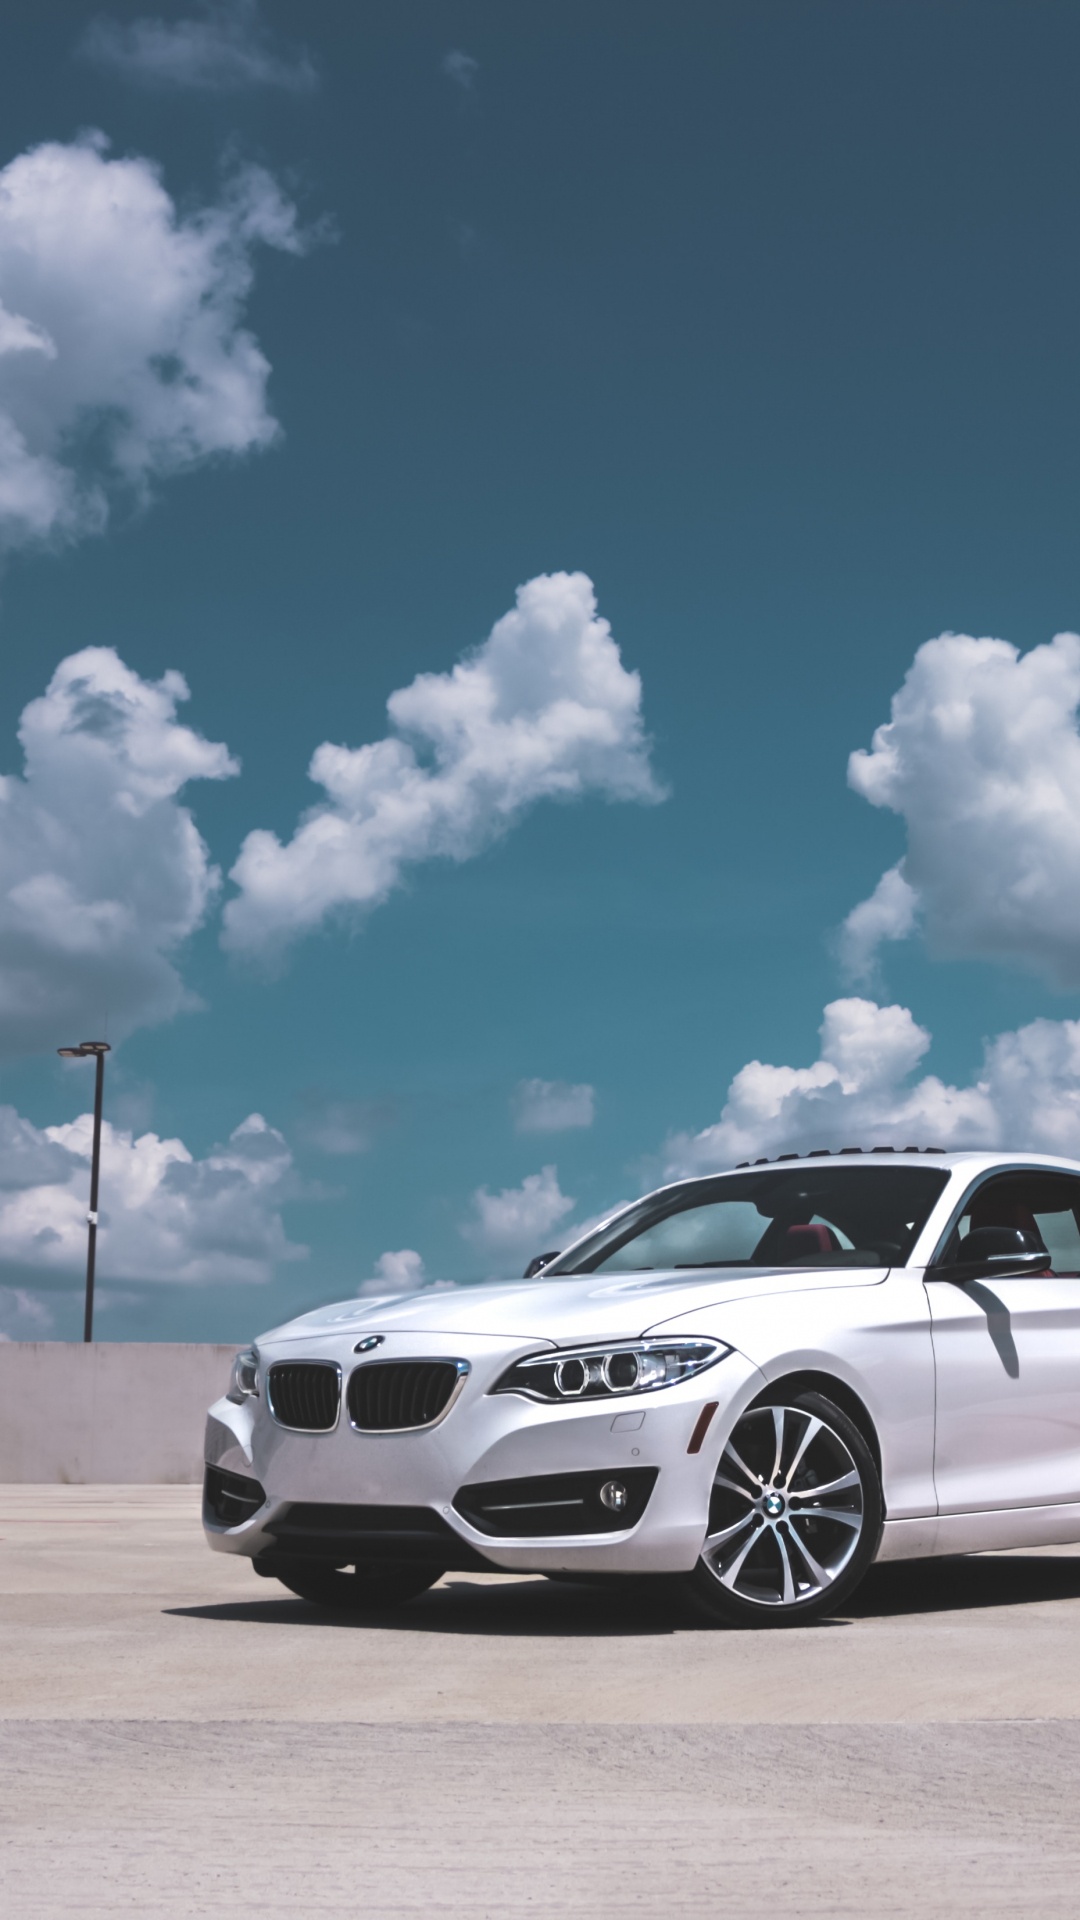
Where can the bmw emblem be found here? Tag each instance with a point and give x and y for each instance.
(365, 1346)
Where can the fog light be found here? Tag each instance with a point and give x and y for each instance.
(614, 1495)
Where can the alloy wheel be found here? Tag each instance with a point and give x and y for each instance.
(788, 1512)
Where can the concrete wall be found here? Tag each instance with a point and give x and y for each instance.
(108, 1411)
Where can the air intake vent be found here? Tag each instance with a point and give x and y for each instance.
(390, 1396)
(368, 1536)
(304, 1394)
(230, 1498)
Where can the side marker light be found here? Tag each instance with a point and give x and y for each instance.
(701, 1426)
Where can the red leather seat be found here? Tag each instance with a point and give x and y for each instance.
(1002, 1212)
(809, 1242)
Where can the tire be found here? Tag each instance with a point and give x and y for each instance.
(794, 1518)
(359, 1590)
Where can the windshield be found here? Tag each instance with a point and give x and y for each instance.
(792, 1216)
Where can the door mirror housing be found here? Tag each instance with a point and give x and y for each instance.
(990, 1251)
(538, 1264)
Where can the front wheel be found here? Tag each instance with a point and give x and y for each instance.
(359, 1589)
(794, 1519)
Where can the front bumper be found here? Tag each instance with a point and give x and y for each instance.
(486, 1437)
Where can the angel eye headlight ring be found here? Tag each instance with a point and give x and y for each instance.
(571, 1378)
(620, 1371)
(605, 1373)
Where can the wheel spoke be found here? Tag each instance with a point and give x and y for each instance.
(817, 1572)
(843, 1514)
(730, 1454)
(791, 1591)
(778, 1415)
(813, 1428)
(846, 1480)
(730, 1574)
(721, 1480)
(727, 1534)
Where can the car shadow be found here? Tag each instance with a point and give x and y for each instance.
(533, 1608)
(966, 1583)
(541, 1608)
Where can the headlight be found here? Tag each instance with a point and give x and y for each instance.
(244, 1382)
(593, 1373)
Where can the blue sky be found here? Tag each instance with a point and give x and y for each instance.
(761, 317)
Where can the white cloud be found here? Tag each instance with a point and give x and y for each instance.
(860, 1092)
(544, 709)
(518, 1222)
(890, 913)
(23, 1316)
(398, 1273)
(401, 1272)
(461, 68)
(341, 1127)
(981, 759)
(552, 1106)
(165, 1215)
(102, 873)
(225, 48)
(122, 354)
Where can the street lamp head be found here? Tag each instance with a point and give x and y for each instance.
(85, 1050)
(70, 1053)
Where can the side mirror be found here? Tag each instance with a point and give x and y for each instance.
(990, 1251)
(538, 1264)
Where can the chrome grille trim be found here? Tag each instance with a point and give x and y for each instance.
(404, 1396)
(298, 1385)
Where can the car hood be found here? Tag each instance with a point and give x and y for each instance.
(578, 1308)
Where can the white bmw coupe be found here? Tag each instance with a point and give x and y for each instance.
(758, 1383)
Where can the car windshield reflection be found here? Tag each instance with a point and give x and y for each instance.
(793, 1216)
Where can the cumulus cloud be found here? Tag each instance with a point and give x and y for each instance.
(122, 354)
(552, 1106)
(401, 1272)
(461, 68)
(861, 1092)
(890, 913)
(981, 759)
(398, 1273)
(517, 1223)
(544, 709)
(224, 48)
(164, 1215)
(103, 873)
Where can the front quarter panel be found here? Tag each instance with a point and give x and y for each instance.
(875, 1338)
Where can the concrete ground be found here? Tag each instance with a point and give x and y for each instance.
(178, 1737)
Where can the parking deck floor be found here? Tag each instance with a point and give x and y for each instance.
(178, 1737)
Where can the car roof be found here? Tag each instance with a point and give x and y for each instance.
(970, 1158)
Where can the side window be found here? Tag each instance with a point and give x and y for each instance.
(1044, 1204)
(1061, 1237)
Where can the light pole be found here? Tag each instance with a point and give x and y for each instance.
(90, 1050)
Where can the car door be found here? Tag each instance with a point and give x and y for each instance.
(1007, 1356)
